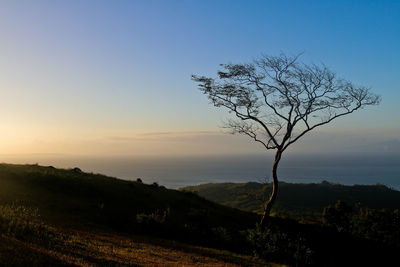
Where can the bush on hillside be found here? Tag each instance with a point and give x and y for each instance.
(338, 216)
(280, 245)
(23, 223)
(381, 226)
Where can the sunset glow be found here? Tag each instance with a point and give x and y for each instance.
(93, 79)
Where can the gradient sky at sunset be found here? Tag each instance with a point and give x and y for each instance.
(113, 77)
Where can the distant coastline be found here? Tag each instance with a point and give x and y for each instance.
(177, 172)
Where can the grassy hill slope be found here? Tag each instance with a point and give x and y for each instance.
(297, 199)
(85, 248)
(52, 216)
(72, 197)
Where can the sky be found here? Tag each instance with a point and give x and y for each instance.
(113, 77)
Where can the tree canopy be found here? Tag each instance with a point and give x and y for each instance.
(277, 100)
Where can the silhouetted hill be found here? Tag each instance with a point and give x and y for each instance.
(72, 197)
(297, 199)
(58, 217)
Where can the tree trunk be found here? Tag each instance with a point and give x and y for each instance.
(268, 205)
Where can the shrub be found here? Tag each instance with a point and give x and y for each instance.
(280, 245)
(338, 216)
(221, 236)
(23, 223)
(154, 218)
(381, 226)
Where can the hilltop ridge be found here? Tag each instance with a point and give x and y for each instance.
(297, 199)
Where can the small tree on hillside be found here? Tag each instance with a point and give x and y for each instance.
(277, 100)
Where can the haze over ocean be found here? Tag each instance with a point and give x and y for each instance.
(176, 172)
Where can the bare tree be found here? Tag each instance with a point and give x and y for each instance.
(276, 100)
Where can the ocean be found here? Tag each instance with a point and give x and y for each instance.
(176, 172)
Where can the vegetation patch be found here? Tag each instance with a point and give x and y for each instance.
(298, 200)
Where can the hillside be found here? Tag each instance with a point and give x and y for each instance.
(56, 217)
(85, 248)
(297, 199)
(52, 216)
(72, 197)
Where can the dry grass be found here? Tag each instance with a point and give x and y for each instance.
(105, 249)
